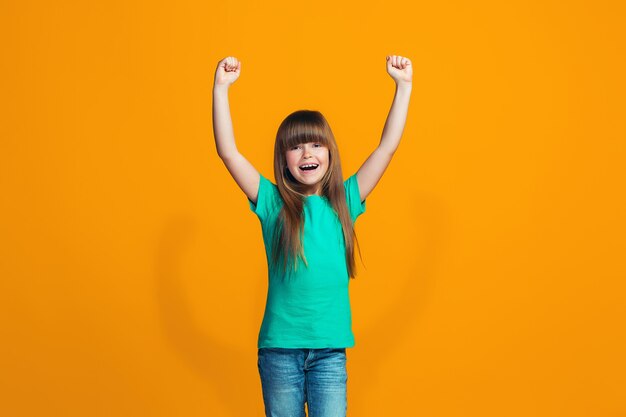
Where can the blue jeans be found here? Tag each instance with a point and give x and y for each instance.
(291, 377)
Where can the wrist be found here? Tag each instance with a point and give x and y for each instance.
(220, 87)
(404, 84)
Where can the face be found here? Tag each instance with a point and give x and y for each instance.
(312, 153)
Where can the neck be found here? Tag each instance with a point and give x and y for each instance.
(314, 190)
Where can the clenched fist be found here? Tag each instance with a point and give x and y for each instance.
(399, 68)
(228, 70)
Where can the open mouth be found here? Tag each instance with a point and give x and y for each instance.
(308, 167)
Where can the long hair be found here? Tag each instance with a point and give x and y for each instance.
(300, 127)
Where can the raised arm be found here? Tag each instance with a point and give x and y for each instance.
(368, 175)
(242, 171)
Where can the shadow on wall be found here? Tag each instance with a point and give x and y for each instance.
(218, 364)
(224, 367)
(379, 338)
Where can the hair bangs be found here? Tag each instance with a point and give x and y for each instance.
(306, 132)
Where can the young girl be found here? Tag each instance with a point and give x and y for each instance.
(307, 219)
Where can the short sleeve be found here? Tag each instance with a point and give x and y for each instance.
(267, 200)
(353, 197)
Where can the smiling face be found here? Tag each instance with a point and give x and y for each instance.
(307, 163)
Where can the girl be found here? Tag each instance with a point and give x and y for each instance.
(307, 219)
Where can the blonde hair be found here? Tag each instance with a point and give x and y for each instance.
(304, 126)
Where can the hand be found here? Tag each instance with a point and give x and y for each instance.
(228, 71)
(399, 68)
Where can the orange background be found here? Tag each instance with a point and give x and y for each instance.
(133, 275)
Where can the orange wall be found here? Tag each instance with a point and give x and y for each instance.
(132, 270)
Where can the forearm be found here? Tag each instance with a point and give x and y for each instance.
(394, 125)
(222, 123)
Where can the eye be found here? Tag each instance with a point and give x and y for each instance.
(317, 145)
(295, 147)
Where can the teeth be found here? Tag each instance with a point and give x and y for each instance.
(308, 165)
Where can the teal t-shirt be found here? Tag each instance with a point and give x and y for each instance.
(311, 308)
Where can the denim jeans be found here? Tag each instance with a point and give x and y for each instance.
(291, 377)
